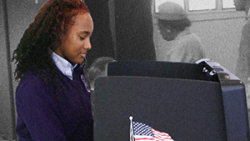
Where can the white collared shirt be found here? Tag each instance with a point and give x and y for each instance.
(63, 65)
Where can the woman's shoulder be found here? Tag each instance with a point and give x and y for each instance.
(30, 77)
(190, 39)
(30, 82)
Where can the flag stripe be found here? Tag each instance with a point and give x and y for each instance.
(143, 132)
(160, 135)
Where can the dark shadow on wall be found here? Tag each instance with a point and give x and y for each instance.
(101, 39)
(130, 22)
(134, 30)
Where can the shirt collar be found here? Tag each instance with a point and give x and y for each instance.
(63, 65)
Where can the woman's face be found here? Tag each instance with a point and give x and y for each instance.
(166, 32)
(76, 42)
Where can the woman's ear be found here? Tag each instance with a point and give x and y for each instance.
(63, 26)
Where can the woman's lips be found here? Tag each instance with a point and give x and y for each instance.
(83, 55)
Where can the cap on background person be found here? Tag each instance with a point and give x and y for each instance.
(170, 11)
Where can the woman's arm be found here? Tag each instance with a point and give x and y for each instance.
(38, 112)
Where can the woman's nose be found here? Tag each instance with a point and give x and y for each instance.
(87, 44)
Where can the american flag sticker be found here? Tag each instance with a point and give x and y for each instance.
(142, 132)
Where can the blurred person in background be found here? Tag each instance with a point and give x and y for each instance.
(243, 62)
(174, 26)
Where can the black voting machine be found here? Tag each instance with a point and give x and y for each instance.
(190, 102)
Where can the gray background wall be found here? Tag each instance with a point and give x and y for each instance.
(15, 17)
(6, 130)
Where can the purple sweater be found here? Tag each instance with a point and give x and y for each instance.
(44, 116)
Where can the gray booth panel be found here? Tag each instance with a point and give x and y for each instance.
(189, 110)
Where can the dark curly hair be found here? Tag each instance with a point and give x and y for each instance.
(33, 53)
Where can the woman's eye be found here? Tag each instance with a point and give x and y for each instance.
(82, 38)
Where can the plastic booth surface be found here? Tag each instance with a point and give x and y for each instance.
(205, 105)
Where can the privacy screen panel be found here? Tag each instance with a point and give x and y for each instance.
(189, 110)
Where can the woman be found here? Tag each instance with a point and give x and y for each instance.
(174, 26)
(52, 102)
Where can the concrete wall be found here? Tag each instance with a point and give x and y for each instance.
(6, 104)
(221, 36)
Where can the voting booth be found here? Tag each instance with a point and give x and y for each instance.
(189, 101)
